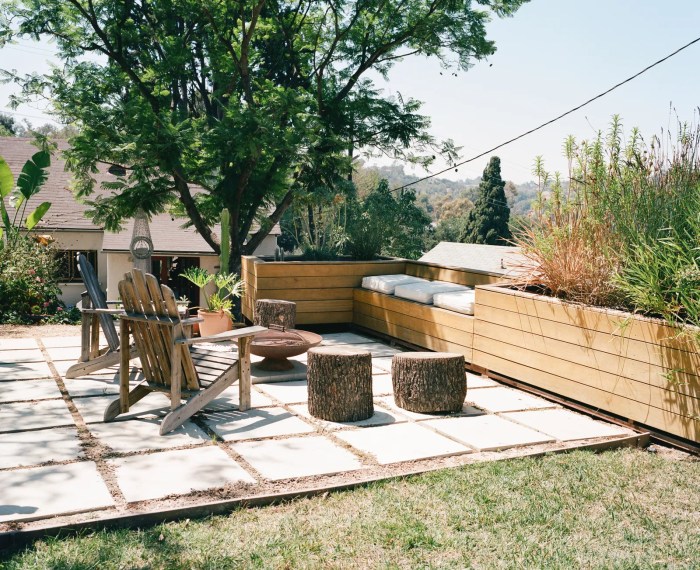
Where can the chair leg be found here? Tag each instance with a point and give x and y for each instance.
(113, 410)
(183, 412)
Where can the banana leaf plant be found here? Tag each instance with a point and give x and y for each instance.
(29, 182)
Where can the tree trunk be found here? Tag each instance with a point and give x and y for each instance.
(340, 384)
(275, 312)
(429, 381)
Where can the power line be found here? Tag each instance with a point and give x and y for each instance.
(647, 68)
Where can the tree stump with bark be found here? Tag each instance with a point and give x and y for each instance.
(275, 312)
(429, 381)
(340, 384)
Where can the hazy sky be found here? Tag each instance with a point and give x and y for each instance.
(551, 56)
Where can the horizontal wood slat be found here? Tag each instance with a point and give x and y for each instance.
(451, 275)
(607, 359)
(411, 336)
(417, 310)
(612, 353)
(643, 413)
(328, 269)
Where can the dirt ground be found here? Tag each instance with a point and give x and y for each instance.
(38, 331)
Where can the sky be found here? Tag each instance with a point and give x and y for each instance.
(552, 55)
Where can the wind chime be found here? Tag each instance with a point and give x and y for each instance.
(141, 247)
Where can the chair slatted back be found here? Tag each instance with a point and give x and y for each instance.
(98, 300)
(144, 297)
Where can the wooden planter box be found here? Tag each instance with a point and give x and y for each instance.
(632, 366)
(322, 290)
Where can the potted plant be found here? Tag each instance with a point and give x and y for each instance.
(216, 317)
(183, 304)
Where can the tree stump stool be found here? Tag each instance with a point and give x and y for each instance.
(275, 312)
(340, 384)
(429, 381)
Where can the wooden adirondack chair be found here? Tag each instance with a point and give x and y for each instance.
(170, 359)
(95, 313)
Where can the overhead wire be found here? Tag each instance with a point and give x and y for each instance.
(549, 122)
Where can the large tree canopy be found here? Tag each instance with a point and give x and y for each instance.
(254, 101)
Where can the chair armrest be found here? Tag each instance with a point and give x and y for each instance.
(102, 311)
(228, 335)
(191, 321)
(114, 302)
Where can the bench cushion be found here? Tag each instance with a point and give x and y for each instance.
(459, 301)
(387, 283)
(423, 292)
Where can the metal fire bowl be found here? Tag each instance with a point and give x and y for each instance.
(276, 346)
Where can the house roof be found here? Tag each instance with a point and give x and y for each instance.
(167, 235)
(68, 214)
(499, 259)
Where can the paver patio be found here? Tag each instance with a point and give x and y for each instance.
(58, 458)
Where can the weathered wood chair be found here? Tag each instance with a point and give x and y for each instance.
(95, 314)
(171, 362)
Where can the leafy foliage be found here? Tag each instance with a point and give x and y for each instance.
(29, 182)
(487, 222)
(386, 224)
(28, 282)
(625, 232)
(254, 102)
(227, 287)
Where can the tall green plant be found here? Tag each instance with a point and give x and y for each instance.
(30, 180)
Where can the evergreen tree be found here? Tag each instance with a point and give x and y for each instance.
(487, 222)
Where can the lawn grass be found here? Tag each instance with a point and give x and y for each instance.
(618, 509)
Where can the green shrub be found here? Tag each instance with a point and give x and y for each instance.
(28, 283)
(625, 231)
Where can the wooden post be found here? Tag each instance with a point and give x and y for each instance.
(244, 381)
(275, 312)
(124, 366)
(429, 381)
(340, 384)
(85, 322)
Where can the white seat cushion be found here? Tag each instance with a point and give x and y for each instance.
(387, 283)
(459, 301)
(423, 292)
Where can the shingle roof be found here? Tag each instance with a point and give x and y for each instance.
(498, 259)
(167, 235)
(66, 213)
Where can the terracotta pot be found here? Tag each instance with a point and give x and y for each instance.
(214, 322)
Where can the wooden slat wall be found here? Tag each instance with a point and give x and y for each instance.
(323, 291)
(429, 327)
(451, 274)
(600, 358)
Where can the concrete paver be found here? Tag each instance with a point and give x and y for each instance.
(380, 417)
(233, 425)
(142, 434)
(60, 341)
(388, 403)
(40, 492)
(258, 376)
(27, 448)
(26, 390)
(381, 384)
(287, 392)
(345, 338)
(18, 343)
(157, 475)
(228, 400)
(506, 400)
(64, 353)
(474, 381)
(24, 370)
(22, 416)
(296, 457)
(28, 355)
(401, 442)
(566, 425)
(92, 409)
(488, 432)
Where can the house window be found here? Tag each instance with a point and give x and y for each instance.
(68, 264)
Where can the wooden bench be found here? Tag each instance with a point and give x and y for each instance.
(422, 325)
